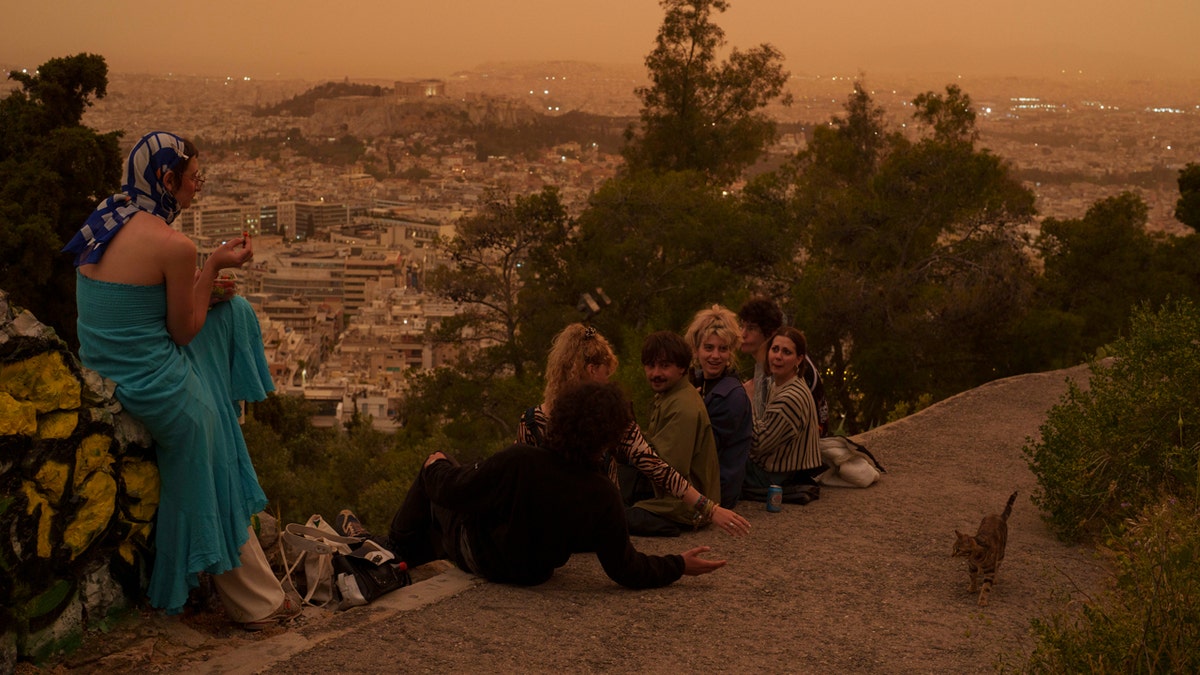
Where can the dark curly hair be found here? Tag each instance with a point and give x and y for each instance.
(589, 419)
(762, 312)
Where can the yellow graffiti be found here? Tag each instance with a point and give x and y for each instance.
(99, 494)
(92, 456)
(52, 480)
(57, 424)
(17, 418)
(44, 380)
(38, 503)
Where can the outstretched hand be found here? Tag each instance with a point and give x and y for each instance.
(731, 522)
(694, 565)
(433, 457)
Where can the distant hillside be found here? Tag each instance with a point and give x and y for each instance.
(304, 105)
(497, 125)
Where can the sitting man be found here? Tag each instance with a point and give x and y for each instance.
(680, 433)
(520, 514)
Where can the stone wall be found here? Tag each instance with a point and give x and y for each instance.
(78, 492)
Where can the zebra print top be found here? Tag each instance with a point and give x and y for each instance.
(787, 434)
(633, 450)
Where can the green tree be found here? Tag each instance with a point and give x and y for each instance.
(950, 116)
(52, 173)
(1096, 269)
(1187, 208)
(911, 264)
(663, 246)
(499, 259)
(699, 114)
(305, 470)
(473, 412)
(490, 257)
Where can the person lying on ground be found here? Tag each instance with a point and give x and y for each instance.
(520, 514)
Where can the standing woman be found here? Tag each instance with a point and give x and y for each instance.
(714, 337)
(580, 354)
(180, 367)
(786, 449)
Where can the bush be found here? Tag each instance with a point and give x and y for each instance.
(1150, 621)
(306, 470)
(1129, 439)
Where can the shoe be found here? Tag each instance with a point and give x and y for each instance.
(291, 607)
(348, 525)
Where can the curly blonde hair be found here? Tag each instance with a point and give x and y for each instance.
(719, 321)
(574, 349)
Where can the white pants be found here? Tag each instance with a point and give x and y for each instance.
(250, 592)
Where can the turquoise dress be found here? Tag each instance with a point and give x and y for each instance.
(187, 399)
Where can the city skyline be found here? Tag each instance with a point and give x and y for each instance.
(313, 39)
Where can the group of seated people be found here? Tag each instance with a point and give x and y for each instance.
(183, 353)
(583, 475)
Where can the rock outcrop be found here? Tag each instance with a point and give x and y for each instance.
(78, 493)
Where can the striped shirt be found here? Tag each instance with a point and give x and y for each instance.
(633, 450)
(786, 435)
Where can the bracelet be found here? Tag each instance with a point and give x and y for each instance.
(704, 510)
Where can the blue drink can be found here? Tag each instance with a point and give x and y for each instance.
(774, 499)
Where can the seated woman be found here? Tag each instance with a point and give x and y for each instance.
(580, 354)
(714, 337)
(181, 363)
(786, 449)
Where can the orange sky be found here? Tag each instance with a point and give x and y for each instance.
(386, 39)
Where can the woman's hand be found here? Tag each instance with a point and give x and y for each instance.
(730, 522)
(694, 565)
(223, 289)
(233, 253)
(434, 457)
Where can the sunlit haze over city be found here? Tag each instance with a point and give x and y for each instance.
(313, 39)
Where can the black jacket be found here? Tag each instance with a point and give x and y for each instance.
(526, 510)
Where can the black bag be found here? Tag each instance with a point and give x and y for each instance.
(366, 573)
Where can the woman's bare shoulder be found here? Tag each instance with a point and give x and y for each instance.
(141, 252)
(151, 233)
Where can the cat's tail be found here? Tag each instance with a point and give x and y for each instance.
(1008, 507)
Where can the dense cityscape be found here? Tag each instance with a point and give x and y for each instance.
(342, 250)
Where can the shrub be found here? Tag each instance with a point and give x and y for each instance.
(1150, 621)
(306, 470)
(1115, 448)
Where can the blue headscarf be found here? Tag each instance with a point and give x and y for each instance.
(143, 190)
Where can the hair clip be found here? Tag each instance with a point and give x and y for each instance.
(589, 332)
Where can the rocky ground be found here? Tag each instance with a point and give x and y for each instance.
(859, 581)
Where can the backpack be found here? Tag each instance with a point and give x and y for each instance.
(850, 464)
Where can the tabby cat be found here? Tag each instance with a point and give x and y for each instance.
(985, 550)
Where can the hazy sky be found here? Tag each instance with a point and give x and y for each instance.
(319, 39)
